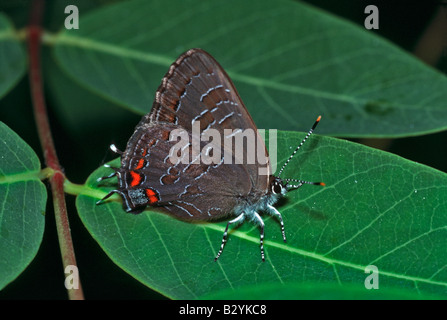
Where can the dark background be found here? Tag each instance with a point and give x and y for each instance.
(402, 22)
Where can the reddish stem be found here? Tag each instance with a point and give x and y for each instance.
(49, 151)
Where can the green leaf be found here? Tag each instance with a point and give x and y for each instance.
(12, 56)
(77, 109)
(377, 209)
(22, 205)
(286, 58)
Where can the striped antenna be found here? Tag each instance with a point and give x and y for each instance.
(299, 146)
(300, 183)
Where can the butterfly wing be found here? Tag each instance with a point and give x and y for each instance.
(195, 94)
(197, 91)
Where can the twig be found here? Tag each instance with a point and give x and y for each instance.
(49, 151)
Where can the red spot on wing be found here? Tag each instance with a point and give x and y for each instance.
(136, 179)
(140, 164)
(152, 196)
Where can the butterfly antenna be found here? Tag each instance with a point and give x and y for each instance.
(299, 146)
(115, 149)
(301, 182)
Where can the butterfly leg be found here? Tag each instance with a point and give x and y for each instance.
(110, 175)
(239, 219)
(261, 225)
(272, 210)
(106, 177)
(115, 150)
(108, 196)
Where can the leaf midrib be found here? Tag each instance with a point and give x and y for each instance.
(6, 35)
(20, 177)
(162, 60)
(320, 257)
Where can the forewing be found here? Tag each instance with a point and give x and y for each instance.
(196, 92)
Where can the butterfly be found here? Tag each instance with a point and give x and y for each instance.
(197, 95)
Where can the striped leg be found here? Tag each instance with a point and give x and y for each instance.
(272, 210)
(239, 219)
(115, 150)
(261, 224)
(110, 175)
(106, 177)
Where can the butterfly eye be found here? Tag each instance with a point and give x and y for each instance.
(276, 188)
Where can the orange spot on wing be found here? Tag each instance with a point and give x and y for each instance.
(140, 164)
(136, 179)
(151, 195)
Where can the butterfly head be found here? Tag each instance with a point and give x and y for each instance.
(278, 186)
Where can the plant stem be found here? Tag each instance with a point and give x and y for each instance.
(46, 140)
